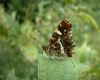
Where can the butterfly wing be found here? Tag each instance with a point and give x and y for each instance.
(61, 43)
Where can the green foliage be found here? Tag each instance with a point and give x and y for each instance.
(27, 25)
(11, 75)
(87, 17)
(52, 68)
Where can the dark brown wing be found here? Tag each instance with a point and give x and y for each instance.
(61, 43)
(65, 28)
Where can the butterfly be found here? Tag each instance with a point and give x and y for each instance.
(61, 42)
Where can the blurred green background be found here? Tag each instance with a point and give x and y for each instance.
(25, 25)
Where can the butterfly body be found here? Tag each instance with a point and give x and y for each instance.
(61, 43)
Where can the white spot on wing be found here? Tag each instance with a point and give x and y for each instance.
(69, 22)
(58, 32)
(60, 24)
(65, 30)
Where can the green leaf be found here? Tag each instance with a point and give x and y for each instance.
(12, 23)
(52, 68)
(11, 75)
(88, 17)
